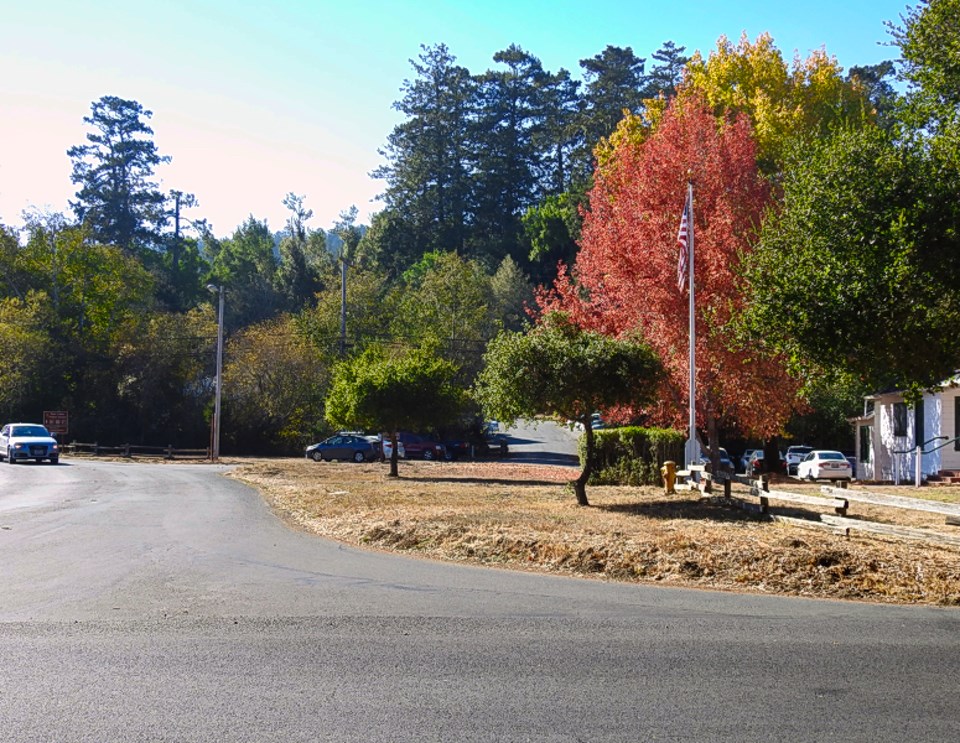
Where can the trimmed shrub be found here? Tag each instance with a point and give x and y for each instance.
(632, 455)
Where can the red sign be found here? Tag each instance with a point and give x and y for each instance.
(56, 421)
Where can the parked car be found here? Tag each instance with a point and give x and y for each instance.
(726, 464)
(823, 464)
(344, 447)
(853, 465)
(755, 466)
(475, 439)
(386, 448)
(28, 441)
(413, 446)
(795, 455)
(745, 460)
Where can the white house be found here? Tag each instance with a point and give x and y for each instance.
(890, 430)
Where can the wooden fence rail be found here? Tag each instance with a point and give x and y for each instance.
(130, 450)
(837, 499)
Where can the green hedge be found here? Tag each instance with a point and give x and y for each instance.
(632, 455)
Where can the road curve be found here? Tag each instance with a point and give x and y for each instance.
(165, 602)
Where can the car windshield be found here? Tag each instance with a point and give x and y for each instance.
(29, 431)
(831, 455)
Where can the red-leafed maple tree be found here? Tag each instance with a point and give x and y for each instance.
(625, 277)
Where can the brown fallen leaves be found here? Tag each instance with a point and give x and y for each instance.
(525, 517)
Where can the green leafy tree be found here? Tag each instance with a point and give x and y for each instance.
(858, 272)
(274, 385)
(510, 295)
(446, 298)
(163, 365)
(94, 289)
(392, 391)
(117, 197)
(26, 348)
(929, 44)
(246, 265)
(564, 371)
(390, 244)
(874, 81)
(370, 305)
(552, 229)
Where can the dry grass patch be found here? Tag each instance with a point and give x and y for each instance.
(525, 517)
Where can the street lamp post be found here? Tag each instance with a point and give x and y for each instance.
(215, 447)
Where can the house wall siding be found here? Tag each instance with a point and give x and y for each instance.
(948, 427)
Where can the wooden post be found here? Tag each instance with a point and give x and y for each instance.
(169, 451)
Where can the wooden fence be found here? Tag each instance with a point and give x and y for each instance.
(132, 450)
(755, 495)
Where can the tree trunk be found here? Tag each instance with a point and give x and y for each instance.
(394, 456)
(771, 455)
(580, 484)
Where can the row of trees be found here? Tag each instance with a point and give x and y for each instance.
(479, 154)
(823, 224)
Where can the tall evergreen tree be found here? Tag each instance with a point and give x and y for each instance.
(427, 168)
(613, 82)
(508, 163)
(667, 74)
(117, 197)
(295, 281)
(560, 136)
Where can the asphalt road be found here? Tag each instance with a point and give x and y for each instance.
(166, 603)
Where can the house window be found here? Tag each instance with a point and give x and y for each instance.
(918, 424)
(899, 419)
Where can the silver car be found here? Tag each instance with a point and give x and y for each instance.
(19, 441)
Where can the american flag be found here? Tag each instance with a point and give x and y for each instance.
(682, 242)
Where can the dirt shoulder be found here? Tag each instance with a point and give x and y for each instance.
(525, 517)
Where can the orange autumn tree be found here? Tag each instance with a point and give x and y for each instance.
(625, 278)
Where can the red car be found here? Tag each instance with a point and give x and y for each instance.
(415, 446)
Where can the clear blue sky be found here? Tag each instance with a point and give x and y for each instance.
(253, 100)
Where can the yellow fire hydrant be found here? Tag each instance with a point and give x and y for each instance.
(669, 472)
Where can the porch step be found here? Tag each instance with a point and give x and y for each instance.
(945, 477)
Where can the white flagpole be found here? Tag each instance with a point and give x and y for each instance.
(692, 448)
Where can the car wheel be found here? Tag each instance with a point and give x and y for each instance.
(54, 460)
(316, 456)
(358, 457)
(10, 459)
(428, 455)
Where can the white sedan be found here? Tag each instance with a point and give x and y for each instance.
(822, 464)
(21, 441)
